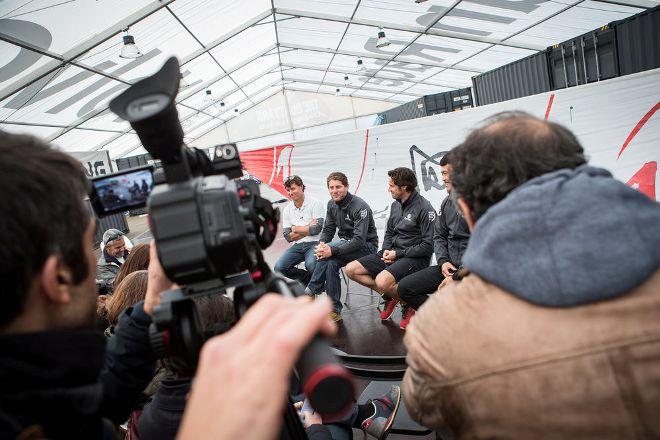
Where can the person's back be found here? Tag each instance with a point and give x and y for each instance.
(161, 417)
(565, 290)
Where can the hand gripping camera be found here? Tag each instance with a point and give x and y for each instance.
(210, 231)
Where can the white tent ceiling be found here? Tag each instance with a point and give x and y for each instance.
(60, 64)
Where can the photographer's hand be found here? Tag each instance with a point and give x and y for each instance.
(448, 269)
(157, 281)
(251, 364)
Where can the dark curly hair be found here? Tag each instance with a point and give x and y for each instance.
(43, 214)
(403, 176)
(510, 149)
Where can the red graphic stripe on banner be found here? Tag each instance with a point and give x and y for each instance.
(364, 161)
(638, 127)
(547, 110)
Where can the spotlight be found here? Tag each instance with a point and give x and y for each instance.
(346, 81)
(208, 97)
(222, 103)
(129, 49)
(237, 111)
(360, 66)
(337, 92)
(382, 39)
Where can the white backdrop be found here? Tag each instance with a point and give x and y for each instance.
(605, 117)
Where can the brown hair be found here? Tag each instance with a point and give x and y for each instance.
(294, 179)
(403, 176)
(129, 292)
(337, 175)
(47, 218)
(512, 148)
(137, 260)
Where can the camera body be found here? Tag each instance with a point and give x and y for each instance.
(199, 228)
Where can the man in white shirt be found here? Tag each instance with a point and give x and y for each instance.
(302, 220)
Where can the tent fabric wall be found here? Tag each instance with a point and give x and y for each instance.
(616, 121)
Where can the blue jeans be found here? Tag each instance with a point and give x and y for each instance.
(286, 264)
(327, 272)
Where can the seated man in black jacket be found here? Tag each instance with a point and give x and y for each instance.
(407, 246)
(450, 239)
(353, 218)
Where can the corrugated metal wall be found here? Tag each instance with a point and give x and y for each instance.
(133, 161)
(524, 77)
(638, 42)
(585, 59)
(620, 48)
(410, 110)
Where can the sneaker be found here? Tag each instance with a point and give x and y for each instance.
(389, 309)
(336, 317)
(408, 313)
(385, 409)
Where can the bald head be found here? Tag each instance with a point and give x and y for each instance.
(508, 150)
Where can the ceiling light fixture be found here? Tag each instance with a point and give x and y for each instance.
(360, 66)
(129, 49)
(237, 112)
(222, 103)
(337, 92)
(382, 39)
(346, 81)
(182, 82)
(208, 97)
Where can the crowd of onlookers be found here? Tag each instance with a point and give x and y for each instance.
(538, 320)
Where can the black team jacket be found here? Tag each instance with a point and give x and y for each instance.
(68, 384)
(451, 235)
(355, 221)
(410, 228)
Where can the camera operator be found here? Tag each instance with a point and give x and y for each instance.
(555, 333)
(58, 380)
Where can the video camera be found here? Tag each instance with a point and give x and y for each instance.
(209, 231)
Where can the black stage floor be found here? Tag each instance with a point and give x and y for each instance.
(361, 332)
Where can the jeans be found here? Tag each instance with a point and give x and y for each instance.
(327, 272)
(416, 288)
(295, 254)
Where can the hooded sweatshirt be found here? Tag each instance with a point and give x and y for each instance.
(569, 237)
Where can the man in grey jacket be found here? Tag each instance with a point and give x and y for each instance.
(450, 239)
(353, 218)
(407, 246)
(113, 255)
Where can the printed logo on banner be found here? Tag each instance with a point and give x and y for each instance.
(270, 165)
(427, 168)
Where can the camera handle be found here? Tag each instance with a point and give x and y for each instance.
(328, 385)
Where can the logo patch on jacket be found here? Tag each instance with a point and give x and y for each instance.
(408, 217)
(432, 215)
(363, 213)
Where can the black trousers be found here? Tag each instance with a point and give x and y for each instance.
(416, 288)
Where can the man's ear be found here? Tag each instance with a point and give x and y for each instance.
(467, 214)
(56, 280)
